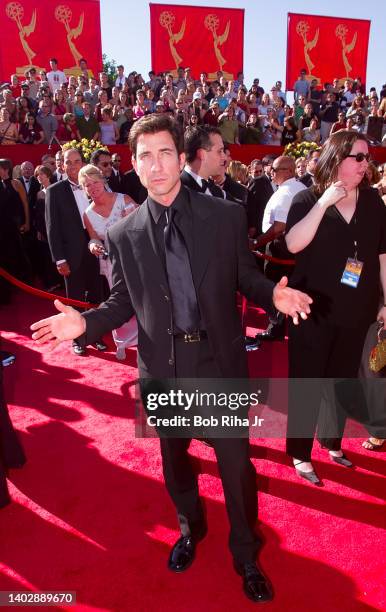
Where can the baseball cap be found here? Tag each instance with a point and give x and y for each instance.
(197, 95)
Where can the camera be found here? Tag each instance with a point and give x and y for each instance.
(105, 254)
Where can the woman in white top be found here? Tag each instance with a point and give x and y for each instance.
(106, 209)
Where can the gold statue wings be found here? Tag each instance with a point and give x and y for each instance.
(177, 37)
(224, 36)
(351, 46)
(78, 31)
(31, 27)
(313, 42)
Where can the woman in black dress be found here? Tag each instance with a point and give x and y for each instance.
(337, 230)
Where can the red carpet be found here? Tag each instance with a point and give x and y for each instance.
(90, 513)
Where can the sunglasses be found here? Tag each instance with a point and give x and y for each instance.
(359, 157)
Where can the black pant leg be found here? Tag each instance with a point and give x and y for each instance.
(309, 348)
(181, 483)
(346, 393)
(238, 477)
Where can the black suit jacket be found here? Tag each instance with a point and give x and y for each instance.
(260, 190)
(132, 186)
(32, 192)
(307, 179)
(66, 235)
(221, 265)
(188, 181)
(235, 192)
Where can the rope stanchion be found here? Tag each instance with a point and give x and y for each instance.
(43, 294)
(283, 262)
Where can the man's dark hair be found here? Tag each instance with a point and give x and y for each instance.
(198, 137)
(268, 159)
(53, 59)
(6, 164)
(94, 159)
(152, 124)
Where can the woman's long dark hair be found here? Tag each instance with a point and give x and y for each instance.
(333, 152)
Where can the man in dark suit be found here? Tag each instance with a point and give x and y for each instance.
(30, 183)
(260, 190)
(66, 203)
(204, 150)
(308, 177)
(178, 261)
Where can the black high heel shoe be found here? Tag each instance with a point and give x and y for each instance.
(312, 477)
(342, 460)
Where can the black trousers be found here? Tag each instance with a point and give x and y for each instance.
(318, 350)
(84, 282)
(11, 452)
(236, 470)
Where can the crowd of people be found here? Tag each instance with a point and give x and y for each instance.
(49, 107)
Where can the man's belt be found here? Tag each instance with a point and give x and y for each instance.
(196, 336)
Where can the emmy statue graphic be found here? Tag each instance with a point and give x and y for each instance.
(63, 14)
(341, 32)
(211, 23)
(15, 11)
(302, 29)
(167, 20)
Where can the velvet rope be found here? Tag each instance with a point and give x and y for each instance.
(43, 294)
(283, 262)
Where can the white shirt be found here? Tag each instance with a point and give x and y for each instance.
(280, 202)
(197, 178)
(120, 81)
(55, 78)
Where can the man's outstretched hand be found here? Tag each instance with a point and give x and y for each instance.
(291, 302)
(67, 325)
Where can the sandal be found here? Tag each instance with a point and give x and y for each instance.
(374, 444)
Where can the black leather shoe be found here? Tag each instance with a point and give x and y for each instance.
(256, 586)
(182, 554)
(273, 332)
(79, 350)
(251, 344)
(6, 358)
(100, 346)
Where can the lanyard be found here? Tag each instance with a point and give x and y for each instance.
(352, 225)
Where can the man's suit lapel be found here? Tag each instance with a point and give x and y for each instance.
(203, 236)
(145, 245)
(71, 198)
(189, 181)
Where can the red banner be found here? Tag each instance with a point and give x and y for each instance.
(327, 47)
(202, 38)
(33, 31)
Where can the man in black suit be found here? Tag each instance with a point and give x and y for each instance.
(204, 150)
(30, 183)
(66, 203)
(178, 261)
(308, 177)
(260, 190)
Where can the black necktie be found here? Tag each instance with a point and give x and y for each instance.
(186, 314)
(204, 185)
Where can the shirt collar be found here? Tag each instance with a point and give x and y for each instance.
(196, 177)
(157, 209)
